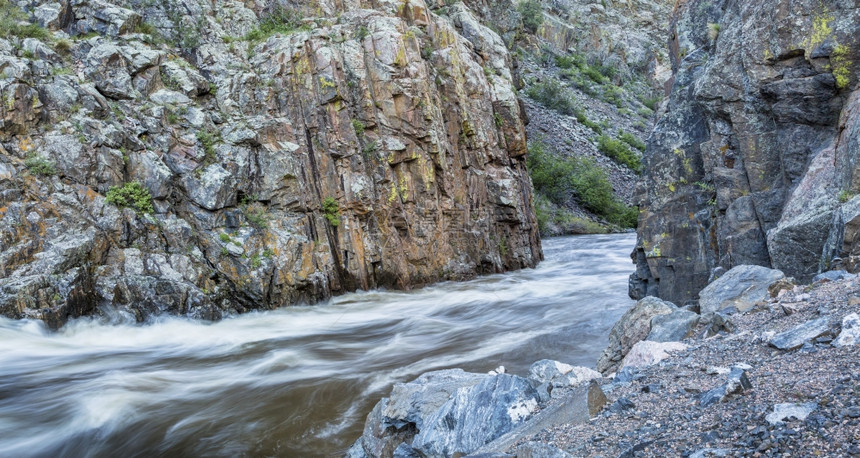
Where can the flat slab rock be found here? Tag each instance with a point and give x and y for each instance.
(646, 353)
(741, 287)
(850, 334)
(789, 410)
(561, 374)
(798, 335)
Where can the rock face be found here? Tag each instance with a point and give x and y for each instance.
(633, 326)
(383, 148)
(758, 146)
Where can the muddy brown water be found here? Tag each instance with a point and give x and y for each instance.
(297, 381)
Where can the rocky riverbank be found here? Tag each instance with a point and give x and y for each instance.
(770, 370)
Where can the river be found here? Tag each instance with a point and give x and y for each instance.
(297, 381)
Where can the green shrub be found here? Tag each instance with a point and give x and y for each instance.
(583, 119)
(612, 94)
(651, 102)
(554, 96)
(331, 211)
(532, 14)
(595, 74)
(132, 195)
(281, 20)
(619, 152)
(570, 61)
(631, 140)
(38, 165)
(224, 238)
(361, 33)
(559, 179)
(256, 215)
(208, 140)
(358, 127)
(10, 17)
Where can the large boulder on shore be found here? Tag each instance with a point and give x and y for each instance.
(634, 326)
(444, 413)
(741, 287)
(475, 416)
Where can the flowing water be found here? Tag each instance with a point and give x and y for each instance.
(297, 381)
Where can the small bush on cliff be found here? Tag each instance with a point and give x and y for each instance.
(619, 152)
(532, 14)
(38, 165)
(132, 195)
(331, 210)
(10, 17)
(281, 20)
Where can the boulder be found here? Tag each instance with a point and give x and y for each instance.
(560, 374)
(737, 383)
(417, 400)
(107, 67)
(673, 327)
(850, 333)
(790, 410)
(476, 415)
(831, 275)
(646, 353)
(633, 326)
(798, 335)
(741, 287)
(103, 18)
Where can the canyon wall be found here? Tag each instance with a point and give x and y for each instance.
(349, 145)
(754, 160)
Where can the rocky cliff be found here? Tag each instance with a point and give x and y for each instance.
(198, 157)
(755, 159)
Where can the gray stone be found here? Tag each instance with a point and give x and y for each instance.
(48, 15)
(214, 189)
(540, 450)
(736, 383)
(673, 327)
(356, 451)
(850, 333)
(788, 411)
(168, 97)
(621, 405)
(107, 68)
(417, 400)
(103, 17)
(646, 353)
(405, 451)
(476, 415)
(578, 406)
(560, 374)
(184, 78)
(741, 287)
(633, 326)
(797, 336)
(831, 275)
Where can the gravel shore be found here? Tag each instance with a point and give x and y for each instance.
(659, 410)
